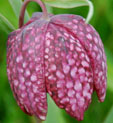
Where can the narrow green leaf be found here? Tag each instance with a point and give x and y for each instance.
(110, 70)
(66, 3)
(54, 113)
(71, 4)
(7, 11)
(91, 9)
(109, 11)
(5, 24)
(109, 118)
(16, 6)
(49, 9)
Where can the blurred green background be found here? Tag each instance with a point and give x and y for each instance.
(102, 21)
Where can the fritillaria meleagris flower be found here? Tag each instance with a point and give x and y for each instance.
(57, 54)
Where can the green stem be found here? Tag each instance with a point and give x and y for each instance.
(21, 17)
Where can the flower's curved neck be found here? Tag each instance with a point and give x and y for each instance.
(22, 12)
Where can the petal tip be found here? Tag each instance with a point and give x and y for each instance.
(43, 118)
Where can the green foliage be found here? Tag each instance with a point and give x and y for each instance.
(16, 5)
(66, 3)
(5, 24)
(71, 4)
(109, 118)
(102, 21)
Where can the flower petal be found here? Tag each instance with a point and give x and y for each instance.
(26, 69)
(92, 44)
(10, 70)
(69, 77)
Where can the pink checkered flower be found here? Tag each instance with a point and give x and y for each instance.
(57, 54)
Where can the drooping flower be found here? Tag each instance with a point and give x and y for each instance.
(57, 54)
